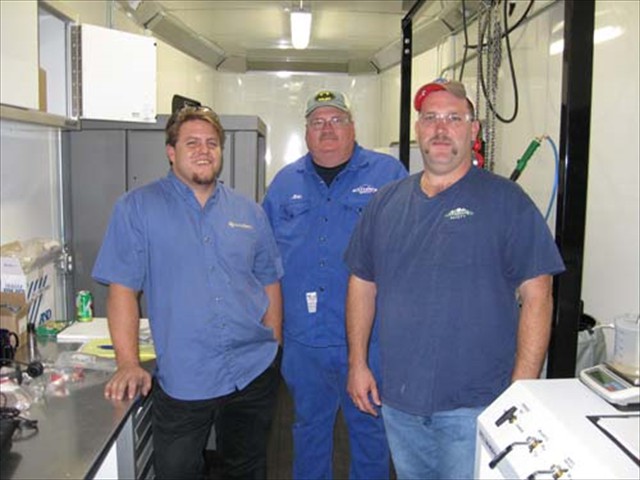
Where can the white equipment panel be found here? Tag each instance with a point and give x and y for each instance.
(550, 429)
(118, 75)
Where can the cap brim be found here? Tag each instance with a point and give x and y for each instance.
(312, 109)
(454, 89)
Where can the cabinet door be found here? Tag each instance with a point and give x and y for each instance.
(146, 157)
(228, 154)
(97, 180)
(245, 165)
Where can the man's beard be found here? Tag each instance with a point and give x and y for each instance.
(205, 180)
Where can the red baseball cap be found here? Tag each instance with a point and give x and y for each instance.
(455, 88)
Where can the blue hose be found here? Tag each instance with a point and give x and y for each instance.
(556, 179)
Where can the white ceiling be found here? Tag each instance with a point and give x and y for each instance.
(255, 35)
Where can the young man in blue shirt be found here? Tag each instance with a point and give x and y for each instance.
(456, 262)
(207, 262)
(313, 205)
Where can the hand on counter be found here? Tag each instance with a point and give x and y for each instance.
(127, 382)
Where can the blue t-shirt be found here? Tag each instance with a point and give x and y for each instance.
(446, 270)
(312, 223)
(203, 272)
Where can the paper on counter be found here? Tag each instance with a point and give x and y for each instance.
(102, 347)
(81, 332)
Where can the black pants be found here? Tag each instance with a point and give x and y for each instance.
(242, 421)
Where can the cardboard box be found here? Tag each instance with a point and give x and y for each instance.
(13, 314)
(28, 279)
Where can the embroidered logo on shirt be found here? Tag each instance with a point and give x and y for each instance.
(296, 196)
(245, 226)
(364, 189)
(458, 213)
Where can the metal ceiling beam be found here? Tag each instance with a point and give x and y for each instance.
(176, 33)
(168, 27)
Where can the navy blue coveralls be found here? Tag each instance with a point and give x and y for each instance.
(312, 223)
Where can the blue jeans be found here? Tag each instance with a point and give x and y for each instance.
(439, 446)
(316, 378)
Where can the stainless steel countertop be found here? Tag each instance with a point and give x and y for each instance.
(74, 432)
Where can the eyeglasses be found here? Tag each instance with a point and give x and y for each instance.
(454, 119)
(335, 122)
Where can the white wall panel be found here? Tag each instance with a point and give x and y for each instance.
(19, 53)
(183, 75)
(280, 101)
(29, 182)
(94, 12)
(611, 282)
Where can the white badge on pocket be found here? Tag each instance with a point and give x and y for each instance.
(312, 302)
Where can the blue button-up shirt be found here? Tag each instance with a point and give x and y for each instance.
(203, 272)
(312, 223)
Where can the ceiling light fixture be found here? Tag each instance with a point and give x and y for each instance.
(300, 27)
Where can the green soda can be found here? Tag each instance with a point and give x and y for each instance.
(84, 306)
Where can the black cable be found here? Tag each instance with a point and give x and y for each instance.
(466, 36)
(12, 414)
(512, 28)
(516, 96)
(466, 39)
(521, 19)
(511, 68)
(9, 413)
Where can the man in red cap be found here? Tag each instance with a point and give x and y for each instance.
(456, 263)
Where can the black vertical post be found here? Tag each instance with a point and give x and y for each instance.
(405, 91)
(405, 82)
(575, 122)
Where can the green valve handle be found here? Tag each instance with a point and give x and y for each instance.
(522, 163)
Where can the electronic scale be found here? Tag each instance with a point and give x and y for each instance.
(617, 389)
(618, 379)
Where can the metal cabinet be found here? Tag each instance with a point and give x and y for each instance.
(105, 159)
(131, 455)
(135, 444)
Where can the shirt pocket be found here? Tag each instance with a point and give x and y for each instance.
(240, 248)
(293, 219)
(355, 203)
(457, 244)
(352, 208)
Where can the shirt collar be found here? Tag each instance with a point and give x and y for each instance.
(187, 194)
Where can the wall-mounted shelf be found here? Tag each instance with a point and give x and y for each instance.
(27, 115)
